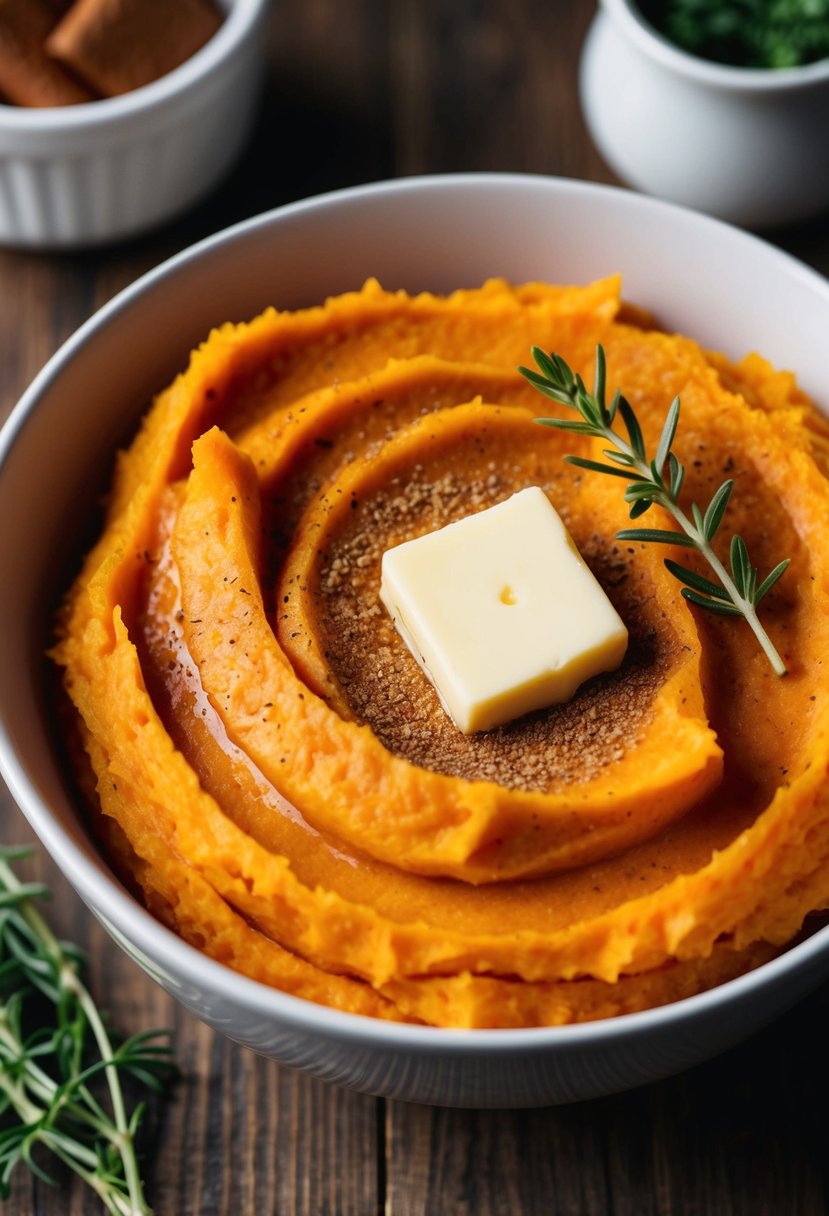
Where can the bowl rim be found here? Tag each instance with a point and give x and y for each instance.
(655, 45)
(97, 885)
(109, 111)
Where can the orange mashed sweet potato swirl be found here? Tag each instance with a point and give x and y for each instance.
(274, 775)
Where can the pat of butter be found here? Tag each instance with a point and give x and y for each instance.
(501, 612)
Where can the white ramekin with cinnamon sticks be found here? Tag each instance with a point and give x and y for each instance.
(114, 120)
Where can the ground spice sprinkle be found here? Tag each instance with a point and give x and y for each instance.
(387, 690)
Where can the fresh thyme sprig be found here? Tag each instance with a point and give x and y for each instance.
(658, 481)
(48, 1074)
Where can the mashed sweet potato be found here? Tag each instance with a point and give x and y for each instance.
(274, 774)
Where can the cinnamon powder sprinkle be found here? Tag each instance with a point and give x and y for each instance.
(387, 690)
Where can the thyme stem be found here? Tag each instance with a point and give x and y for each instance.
(43, 1075)
(658, 480)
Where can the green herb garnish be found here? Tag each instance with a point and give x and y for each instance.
(52, 1069)
(746, 33)
(658, 481)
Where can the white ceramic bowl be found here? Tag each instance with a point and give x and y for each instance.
(726, 288)
(80, 175)
(747, 145)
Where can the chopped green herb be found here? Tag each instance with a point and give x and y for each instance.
(745, 33)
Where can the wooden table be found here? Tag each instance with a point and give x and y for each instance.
(361, 91)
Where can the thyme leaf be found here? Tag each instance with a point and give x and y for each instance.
(736, 592)
(48, 1071)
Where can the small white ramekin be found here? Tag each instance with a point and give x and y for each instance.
(80, 175)
(745, 144)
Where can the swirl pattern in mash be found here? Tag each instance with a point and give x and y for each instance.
(274, 775)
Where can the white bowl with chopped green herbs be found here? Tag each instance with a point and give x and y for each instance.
(714, 106)
(697, 276)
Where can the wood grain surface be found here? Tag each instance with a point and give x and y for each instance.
(360, 90)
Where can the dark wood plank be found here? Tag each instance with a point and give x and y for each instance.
(490, 86)
(243, 1135)
(736, 1136)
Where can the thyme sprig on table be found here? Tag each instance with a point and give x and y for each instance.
(52, 1072)
(658, 480)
